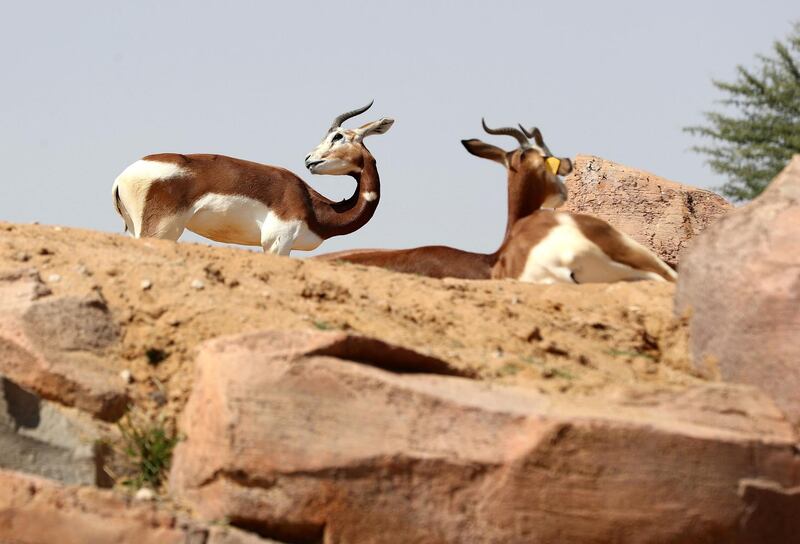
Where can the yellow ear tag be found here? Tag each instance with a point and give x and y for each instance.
(553, 164)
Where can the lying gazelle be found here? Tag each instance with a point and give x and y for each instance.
(562, 247)
(241, 202)
(526, 194)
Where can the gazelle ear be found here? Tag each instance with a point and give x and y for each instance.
(380, 126)
(486, 151)
(565, 167)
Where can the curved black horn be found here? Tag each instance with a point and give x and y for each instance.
(348, 114)
(525, 131)
(536, 134)
(508, 131)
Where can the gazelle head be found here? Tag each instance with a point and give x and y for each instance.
(531, 162)
(342, 150)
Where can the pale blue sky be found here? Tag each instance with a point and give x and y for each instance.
(89, 87)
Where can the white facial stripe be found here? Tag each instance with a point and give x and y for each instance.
(332, 166)
(369, 196)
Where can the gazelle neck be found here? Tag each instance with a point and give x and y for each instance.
(339, 218)
(526, 193)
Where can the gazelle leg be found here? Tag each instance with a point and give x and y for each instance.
(277, 237)
(562, 274)
(601, 268)
(164, 228)
(281, 245)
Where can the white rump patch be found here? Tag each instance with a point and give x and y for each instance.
(369, 196)
(565, 253)
(134, 184)
(153, 170)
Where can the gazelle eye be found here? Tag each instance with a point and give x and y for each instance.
(338, 136)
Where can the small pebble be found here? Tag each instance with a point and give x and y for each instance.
(126, 376)
(197, 284)
(145, 494)
(146, 285)
(54, 278)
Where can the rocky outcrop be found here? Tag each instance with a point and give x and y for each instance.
(54, 346)
(740, 285)
(305, 445)
(38, 511)
(661, 214)
(44, 438)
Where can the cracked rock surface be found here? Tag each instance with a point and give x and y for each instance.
(661, 214)
(303, 444)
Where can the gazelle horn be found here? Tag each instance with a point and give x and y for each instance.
(348, 114)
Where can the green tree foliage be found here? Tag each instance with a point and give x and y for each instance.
(762, 132)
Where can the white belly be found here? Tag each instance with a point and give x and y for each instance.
(229, 219)
(236, 219)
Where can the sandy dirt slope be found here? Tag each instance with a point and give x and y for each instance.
(168, 297)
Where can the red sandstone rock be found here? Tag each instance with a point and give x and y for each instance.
(740, 282)
(38, 511)
(54, 346)
(661, 214)
(308, 447)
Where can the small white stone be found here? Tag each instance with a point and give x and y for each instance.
(198, 284)
(145, 494)
(146, 285)
(126, 376)
(57, 229)
(54, 278)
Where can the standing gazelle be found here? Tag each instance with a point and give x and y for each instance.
(241, 202)
(526, 194)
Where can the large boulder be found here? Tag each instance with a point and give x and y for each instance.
(38, 511)
(740, 285)
(661, 214)
(58, 347)
(301, 443)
